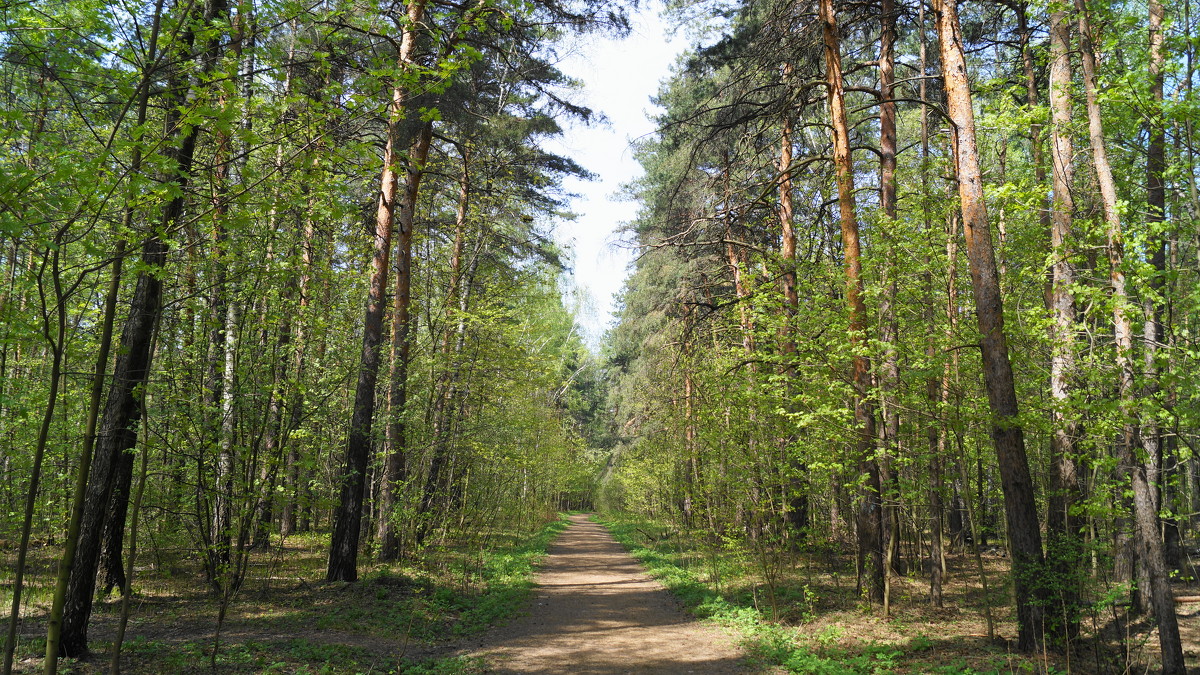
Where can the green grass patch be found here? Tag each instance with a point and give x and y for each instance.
(508, 577)
(297, 624)
(455, 665)
(456, 592)
(720, 586)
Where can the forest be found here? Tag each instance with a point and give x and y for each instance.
(292, 377)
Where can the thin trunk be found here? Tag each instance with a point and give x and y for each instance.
(127, 578)
(445, 393)
(691, 468)
(224, 523)
(216, 387)
(889, 325)
(1063, 526)
(735, 257)
(937, 562)
(289, 521)
(1025, 34)
(1007, 435)
(976, 526)
(797, 501)
(56, 339)
(1155, 301)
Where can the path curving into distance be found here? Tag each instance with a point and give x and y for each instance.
(596, 612)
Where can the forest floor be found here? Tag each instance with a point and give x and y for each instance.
(398, 618)
(594, 611)
(800, 610)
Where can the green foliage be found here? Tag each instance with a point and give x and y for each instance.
(734, 403)
(767, 643)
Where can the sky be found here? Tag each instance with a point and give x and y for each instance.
(619, 77)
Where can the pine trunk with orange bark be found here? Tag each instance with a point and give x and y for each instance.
(870, 516)
(1025, 539)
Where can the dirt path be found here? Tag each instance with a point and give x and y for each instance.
(596, 612)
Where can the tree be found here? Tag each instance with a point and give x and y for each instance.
(1007, 435)
(123, 408)
(1063, 522)
(1133, 464)
(871, 513)
(343, 546)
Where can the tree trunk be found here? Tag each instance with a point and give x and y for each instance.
(1007, 435)
(123, 408)
(1154, 302)
(889, 332)
(870, 523)
(112, 570)
(343, 546)
(1025, 34)
(67, 562)
(394, 463)
(1145, 513)
(933, 433)
(1063, 527)
(797, 502)
(118, 431)
(289, 520)
(56, 340)
(83, 472)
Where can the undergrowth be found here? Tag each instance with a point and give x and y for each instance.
(797, 647)
(315, 628)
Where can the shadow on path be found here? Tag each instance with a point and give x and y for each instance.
(596, 612)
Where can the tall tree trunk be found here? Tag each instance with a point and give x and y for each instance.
(123, 408)
(870, 516)
(394, 462)
(933, 390)
(343, 545)
(797, 500)
(118, 431)
(1063, 527)
(289, 520)
(889, 332)
(1154, 330)
(83, 472)
(1007, 435)
(1133, 463)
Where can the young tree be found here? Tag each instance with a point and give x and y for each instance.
(123, 408)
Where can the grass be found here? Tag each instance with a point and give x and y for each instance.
(815, 624)
(287, 621)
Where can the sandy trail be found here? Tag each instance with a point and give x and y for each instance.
(596, 612)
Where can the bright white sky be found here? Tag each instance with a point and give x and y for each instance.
(619, 78)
